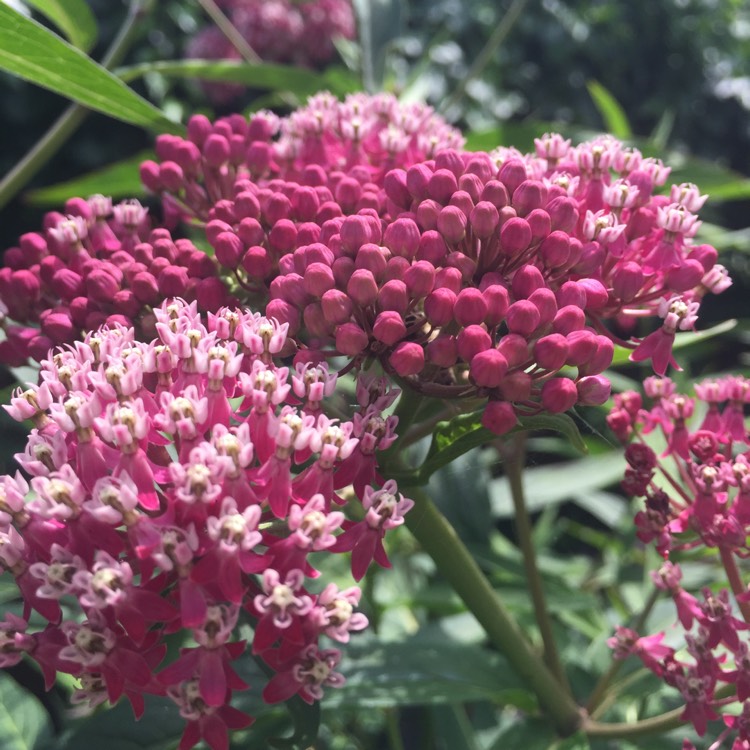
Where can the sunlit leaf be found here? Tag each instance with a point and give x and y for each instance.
(32, 52)
(615, 119)
(266, 76)
(23, 720)
(73, 17)
(118, 180)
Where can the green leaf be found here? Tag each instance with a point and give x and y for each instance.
(73, 17)
(306, 725)
(465, 432)
(555, 483)
(118, 180)
(34, 53)
(266, 76)
(615, 119)
(682, 340)
(418, 672)
(23, 720)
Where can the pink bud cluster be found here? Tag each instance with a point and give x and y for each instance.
(180, 486)
(346, 147)
(92, 265)
(481, 275)
(706, 503)
(282, 31)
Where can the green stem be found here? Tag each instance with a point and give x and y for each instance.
(455, 563)
(735, 580)
(230, 31)
(394, 733)
(68, 122)
(654, 725)
(606, 679)
(485, 55)
(514, 453)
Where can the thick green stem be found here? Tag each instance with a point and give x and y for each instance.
(455, 563)
(514, 453)
(68, 122)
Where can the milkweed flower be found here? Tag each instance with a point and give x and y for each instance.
(211, 478)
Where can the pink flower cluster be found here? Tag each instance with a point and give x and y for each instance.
(704, 502)
(179, 486)
(342, 150)
(466, 274)
(92, 265)
(282, 31)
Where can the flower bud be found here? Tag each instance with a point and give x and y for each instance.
(355, 232)
(495, 193)
(488, 368)
(127, 304)
(58, 327)
(275, 208)
(522, 317)
(559, 395)
(389, 327)
(171, 176)
(551, 352)
(407, 359)
(441, 185)
(515, 236)
(484, 219)
(545, 302)
(601, 359)
(373, 258)
(393, 295)
(149, 174)
(101, 285)
(515, 349)
(582, 347)
(593, 390)
(596, 294)
(512, 174)
(173, 281)
(351, 339)
(396, 189)
(229, 249)
(530, 194)
(479, 165)
(396, 268)
(627, 281)
(516, 386)
(257, 262)
(216, 150)
(419, 279)
(499, 417)
(571, 293)
(318, 279)
(450, 278)
(427, 214)
(211, 294)
(496, 297)
(343, 268)
(462, 200)
(470, 308)
(451, 223)
(402, 237)
(451, 160)
(555, 250)
(337, 306)
(540, 224)
(432, 248)
(563, 213)
(569, 318)
(443, 351)
(198, 129)
(417, 178)
(67, 284)
(685, 276)
(315, 321)
(472, 340)
(526, 280)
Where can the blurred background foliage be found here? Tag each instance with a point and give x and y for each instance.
(672, 76)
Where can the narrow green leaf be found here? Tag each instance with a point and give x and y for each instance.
(682, 340)
(32, 52)
(266, 76)
(73, 17)
(23, 720)
(549, 485)
(615, 119)
(118, 180)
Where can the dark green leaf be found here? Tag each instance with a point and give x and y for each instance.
(34, 53)
(578, 741)
(306, 725)
(266, 76)
(615, 119)
(23, 720)
(118, 180)
(73, 17)
(418, 672)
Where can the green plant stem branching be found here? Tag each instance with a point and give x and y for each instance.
(514, 452)
(69, 121)
(481, 61)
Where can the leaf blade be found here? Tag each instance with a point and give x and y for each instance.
(615, 119)
(23, 720)
(32, 52)
(73, 17)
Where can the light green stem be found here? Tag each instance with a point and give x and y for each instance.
(455, 563)
(68, 122)
(485, 55)
(514, 453)
(230, 31)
